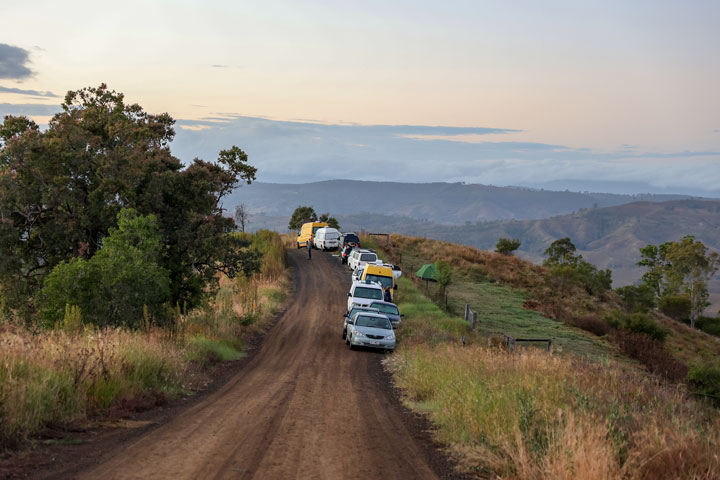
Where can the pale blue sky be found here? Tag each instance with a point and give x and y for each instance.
(592, 77)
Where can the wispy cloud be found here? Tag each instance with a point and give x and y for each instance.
(31, 93)
(29, 109)
(302, 151)
(14, 62)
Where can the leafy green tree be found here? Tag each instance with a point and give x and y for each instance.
(677, 269)
(653, 257)
(561, 252)
(302, 214)
(676, 307)
(691, 268)
(331, 221)
(113, 286)
(507, 246)
(62, 189)
(637, 298)
(567, 268)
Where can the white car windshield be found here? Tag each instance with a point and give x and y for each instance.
(373, 322)
(368, 257)
(364, 292)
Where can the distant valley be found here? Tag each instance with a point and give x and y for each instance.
(443, 203)
(609, 237)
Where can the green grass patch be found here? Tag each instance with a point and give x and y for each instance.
(208, 351)
(500, 312)
(424, 320)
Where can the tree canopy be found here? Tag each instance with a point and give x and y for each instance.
(507, 246)
(305, 214)
(331, 221)
(61, 191)
(302, 214)
(567, 267)
(680, 268)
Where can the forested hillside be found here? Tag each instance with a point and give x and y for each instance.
(444, 203)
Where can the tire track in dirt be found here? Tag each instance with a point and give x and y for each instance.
(305, 406)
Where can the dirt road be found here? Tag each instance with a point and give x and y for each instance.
(305, 406)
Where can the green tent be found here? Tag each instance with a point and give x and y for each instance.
(427, 272)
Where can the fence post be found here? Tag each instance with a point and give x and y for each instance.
(467, 312)
(549, 345)
(474, 321)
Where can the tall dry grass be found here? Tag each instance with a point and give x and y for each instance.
(530, 415)
(51, 378)
(55, 377)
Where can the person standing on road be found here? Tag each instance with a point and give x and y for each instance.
(309, 247)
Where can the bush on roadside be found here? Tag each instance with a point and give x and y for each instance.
(676, 307)
(592, 324)
(636, 323)
(643, 323)
(709, 325)
(704, 379)
(651, 353)
(116, 285)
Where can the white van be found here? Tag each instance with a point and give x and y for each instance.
(326, 238)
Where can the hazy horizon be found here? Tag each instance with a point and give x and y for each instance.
(622, 94)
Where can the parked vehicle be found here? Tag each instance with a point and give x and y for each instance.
(362, 294)
(345, 253)
(372, 330)
(348, 317)
(390, 310)
(357, 274)
(379, 273)
(308, 230)
(349, 238)
(359, 257)
(326, 238)
(397, 271)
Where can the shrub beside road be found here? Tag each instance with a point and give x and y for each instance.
(77, 372)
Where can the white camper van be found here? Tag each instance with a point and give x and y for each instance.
(327, 238)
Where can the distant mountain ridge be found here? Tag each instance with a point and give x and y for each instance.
(443, 203)
(608, 237)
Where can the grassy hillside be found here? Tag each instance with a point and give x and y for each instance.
(531, 414)
(516, 296)
(443, 203)
(608, 237)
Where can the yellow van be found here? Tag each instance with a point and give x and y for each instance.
(307, 231)
(381, 274)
